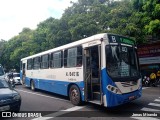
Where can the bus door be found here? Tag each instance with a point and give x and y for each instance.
(92, 76)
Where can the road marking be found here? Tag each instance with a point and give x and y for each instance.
(150, 109)
(42, 118)
(145, 118)
(42, 95)
(61, 112)
(154, 104)
(144, 88)
(73, 108)
(157, 100)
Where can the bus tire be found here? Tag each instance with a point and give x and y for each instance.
(74, 95)
(32, 85)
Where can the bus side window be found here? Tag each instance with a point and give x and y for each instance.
(79, 56)
(73, 57)
(45, 61)
(36, 63)
(57, 59)
(29, 64)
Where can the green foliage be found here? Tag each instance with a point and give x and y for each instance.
(151, 15)
(133, 18)
(153, 27)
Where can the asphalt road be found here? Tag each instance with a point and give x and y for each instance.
(51, 106)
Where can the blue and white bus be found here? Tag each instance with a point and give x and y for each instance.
(101, 69)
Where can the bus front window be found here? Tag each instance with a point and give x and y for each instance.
(121, 61)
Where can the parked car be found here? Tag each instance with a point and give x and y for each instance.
(10, 99)
(16, 78)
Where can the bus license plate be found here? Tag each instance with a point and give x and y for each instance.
(5, 108)
(131, 97)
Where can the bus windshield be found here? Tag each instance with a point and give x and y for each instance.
(121, 61)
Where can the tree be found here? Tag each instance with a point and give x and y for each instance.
(133, 18)
(151, 13)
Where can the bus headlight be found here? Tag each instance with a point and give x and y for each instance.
(113, 89)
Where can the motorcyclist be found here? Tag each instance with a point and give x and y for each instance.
(153, 79)
(11, 80)
(146, 81)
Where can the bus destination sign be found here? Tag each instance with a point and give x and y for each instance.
(120, 39)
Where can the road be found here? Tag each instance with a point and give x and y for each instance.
(51, 106)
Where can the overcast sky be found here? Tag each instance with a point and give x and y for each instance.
(17, 14)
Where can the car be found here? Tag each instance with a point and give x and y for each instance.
(16, 78)
(10, 99)
(7, 77)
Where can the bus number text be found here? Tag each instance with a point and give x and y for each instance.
(72, 73)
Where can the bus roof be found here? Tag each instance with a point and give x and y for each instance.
(76, 43)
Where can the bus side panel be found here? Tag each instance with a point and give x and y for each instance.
(113, 99)
(81, 88)
(55, 86)
(27, 81)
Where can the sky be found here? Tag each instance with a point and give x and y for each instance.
(18, 14)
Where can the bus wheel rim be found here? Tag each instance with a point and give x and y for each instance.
(74, 95)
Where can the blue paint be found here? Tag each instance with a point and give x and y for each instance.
(21, 75)
(112, 98)
(55, 86)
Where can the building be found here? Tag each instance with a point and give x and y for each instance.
(149, 58)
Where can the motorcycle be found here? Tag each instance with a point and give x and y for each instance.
(11, 81)
(146, 81)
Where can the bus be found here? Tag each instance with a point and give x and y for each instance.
(101, 69)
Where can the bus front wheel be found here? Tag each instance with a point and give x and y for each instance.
(32, 85)
(74, 95)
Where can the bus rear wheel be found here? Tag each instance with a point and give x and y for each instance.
(32, 85)
(74, 95)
